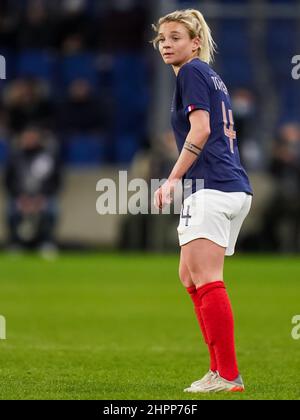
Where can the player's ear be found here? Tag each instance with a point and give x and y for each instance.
(196, 43)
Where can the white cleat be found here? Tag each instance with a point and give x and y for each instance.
(206, 379)
(217, 384)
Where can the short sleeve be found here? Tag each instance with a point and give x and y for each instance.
(195, 92)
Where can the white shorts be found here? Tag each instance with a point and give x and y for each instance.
(214, 215)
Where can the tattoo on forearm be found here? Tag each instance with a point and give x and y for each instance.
(192, 148)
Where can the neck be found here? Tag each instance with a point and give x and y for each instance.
(178, 67)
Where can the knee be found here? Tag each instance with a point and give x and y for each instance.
(201, 277)
(185, 277)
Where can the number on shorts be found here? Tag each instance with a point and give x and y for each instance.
(229, 132)
(186, 216)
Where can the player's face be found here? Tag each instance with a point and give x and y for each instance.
(175, 44)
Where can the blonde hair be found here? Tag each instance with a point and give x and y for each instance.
(196, 25)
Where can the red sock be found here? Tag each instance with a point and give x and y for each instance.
(217, 317)
(194, 295)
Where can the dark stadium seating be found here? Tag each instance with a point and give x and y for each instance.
(126, 146)
(234, 49)
(281, 46)
(289, 99)
(79, 66)
(84, 150)
(37, 63)
(130, 80)
(130, 87)
(3, 150)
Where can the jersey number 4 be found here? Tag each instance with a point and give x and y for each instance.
(229, 132)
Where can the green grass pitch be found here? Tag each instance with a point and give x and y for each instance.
(122, 327)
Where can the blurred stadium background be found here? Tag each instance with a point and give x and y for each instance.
(85, 97)
(82, 76)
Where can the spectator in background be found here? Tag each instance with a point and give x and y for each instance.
(282, 218)
(9, 14)
(36, 29)
(244, 107)
(27, 103)
(76, 29)
(244, 110)
(32, 181)
(73, 44)
(81, 112)
(3, 122)
(131, 18)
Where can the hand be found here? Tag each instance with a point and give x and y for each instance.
(164, 194)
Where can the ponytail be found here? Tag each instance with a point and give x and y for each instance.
(208, 46)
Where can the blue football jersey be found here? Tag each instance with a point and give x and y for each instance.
(198, 86)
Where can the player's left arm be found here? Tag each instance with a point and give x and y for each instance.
(195, 142)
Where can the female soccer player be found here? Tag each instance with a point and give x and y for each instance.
(213, 214)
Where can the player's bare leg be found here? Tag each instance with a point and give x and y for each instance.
(186, 280)
(204, 260)
(184, 273)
